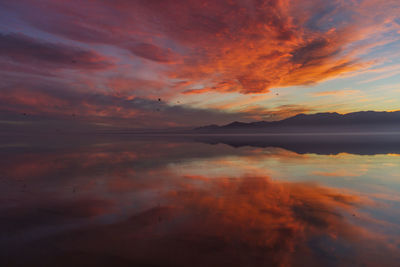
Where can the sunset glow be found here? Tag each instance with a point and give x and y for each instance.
(178, 62)
(201, 133)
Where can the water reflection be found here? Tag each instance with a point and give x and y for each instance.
(356, 143)
(165, 203)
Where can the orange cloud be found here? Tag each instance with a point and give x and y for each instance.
(196, 91)
(336, 93)
(339, 173)
(270, 44)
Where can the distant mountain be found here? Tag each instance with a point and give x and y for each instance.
(363, 121)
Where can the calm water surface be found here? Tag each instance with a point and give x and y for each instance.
(128, 201)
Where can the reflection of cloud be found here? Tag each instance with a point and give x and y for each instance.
(275, 218)
(52, 211)
(131, 208)
(234, 222)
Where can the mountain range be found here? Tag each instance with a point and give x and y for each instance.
(364, 121)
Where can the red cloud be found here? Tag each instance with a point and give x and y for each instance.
(250, 45)
(152, 52)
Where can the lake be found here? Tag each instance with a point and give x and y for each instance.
(129, 200)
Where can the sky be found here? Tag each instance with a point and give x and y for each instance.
(184, 63)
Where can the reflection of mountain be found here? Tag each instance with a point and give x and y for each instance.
(323, 143)
(367, 121)
(309, 143)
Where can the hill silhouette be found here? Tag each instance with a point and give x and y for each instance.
(364, 121)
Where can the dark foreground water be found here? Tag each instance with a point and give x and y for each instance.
(125, 200)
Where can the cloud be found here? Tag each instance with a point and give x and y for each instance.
(267, 47)
(338, 173)
(160, 49)
(23, 49)
(197, 91)
(336, 93)
(152, 52)
(277, 113)
(48, 99)
(250, 47)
